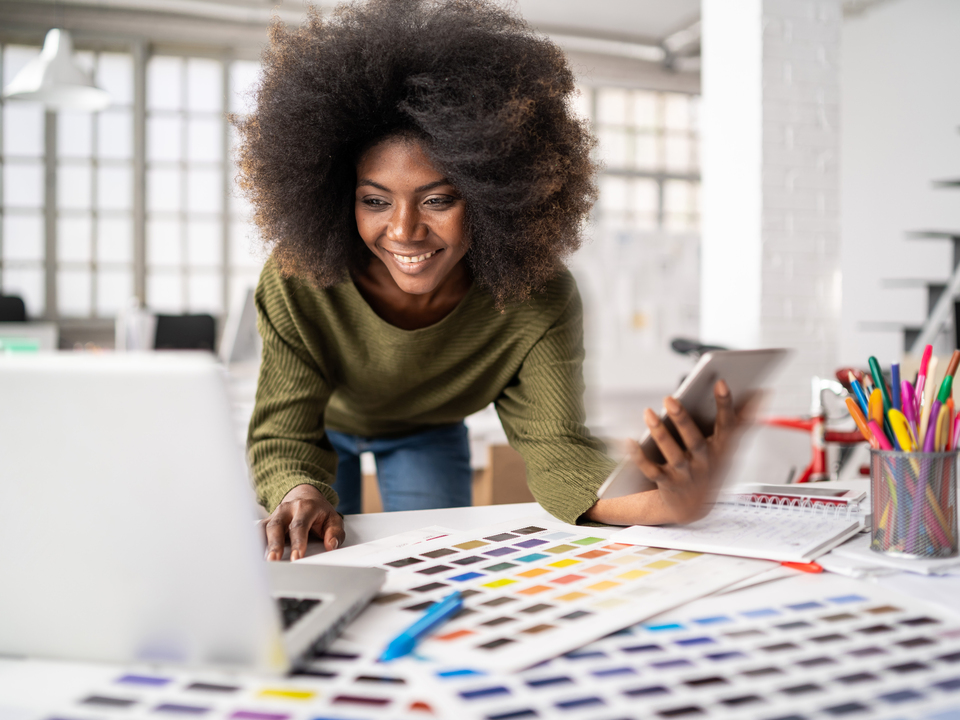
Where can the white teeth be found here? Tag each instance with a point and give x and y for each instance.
(418, 258)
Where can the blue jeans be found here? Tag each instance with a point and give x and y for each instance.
(425, 470)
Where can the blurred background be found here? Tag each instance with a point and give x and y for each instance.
(775, 172)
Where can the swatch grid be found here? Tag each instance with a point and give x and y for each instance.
(533, 591)
(813, 649)
(350, 689)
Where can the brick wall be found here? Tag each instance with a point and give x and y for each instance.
(771, 255)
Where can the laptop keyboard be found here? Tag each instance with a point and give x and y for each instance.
(292, 609)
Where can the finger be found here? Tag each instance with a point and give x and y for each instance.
(334, 534)
(299, 530)
(747, 415)
(671, 451)
(276, 531)
(726, 416)
(649, 468)
(689, 432)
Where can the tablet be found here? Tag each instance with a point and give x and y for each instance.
(744, 371)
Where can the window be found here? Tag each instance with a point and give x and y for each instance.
(648, 146)
(71, 243)
(199, 248)
(94, 196)
(22, 190)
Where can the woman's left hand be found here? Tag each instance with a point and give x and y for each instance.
(689, 479)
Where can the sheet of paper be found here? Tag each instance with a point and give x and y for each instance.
(809, 647)
(354, 690)
(355, 554)
(750, 532)
(532, 591)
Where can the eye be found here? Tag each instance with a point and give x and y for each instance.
(440, 200)
(374, 202)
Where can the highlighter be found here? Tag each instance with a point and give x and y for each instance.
(904, 433)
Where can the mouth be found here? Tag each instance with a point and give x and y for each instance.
(414, 259)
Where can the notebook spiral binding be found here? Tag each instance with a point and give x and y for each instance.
(765, 503)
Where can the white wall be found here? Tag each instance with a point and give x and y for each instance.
(771, 262)
(900, 129)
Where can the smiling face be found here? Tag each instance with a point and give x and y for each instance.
(410, 216)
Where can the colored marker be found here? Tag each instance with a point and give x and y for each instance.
(895, 386)
(440, 612)
(881, 437)
(878, 382)
(922, 375)
(946, 387)
(954, 363)
(810, 567)
(942, 430)
(859, 393)
(901, 427)
(930, 436)
(876, 406)
(909, 402)
(927, 398)
(861, 422)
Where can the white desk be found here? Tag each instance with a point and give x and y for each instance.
(38, 690)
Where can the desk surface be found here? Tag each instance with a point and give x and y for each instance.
(30, 690)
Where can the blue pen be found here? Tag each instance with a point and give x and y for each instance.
(860, 395)
(437, 613)
(895, 385)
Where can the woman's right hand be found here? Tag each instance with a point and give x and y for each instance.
(303, 510)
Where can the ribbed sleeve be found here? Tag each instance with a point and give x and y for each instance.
(287, 443)
(330, 362)
(542, 413)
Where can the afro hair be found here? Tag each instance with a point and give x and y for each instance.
(488, 99)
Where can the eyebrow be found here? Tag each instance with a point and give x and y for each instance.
(422, 188)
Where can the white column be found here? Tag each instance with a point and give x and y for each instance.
(770, 271)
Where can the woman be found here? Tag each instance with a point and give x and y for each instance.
(419, 176)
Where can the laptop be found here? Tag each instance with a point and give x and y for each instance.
(128, 523)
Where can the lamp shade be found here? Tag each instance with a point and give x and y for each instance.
(55, 80)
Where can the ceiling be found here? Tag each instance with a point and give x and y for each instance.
(653, 43)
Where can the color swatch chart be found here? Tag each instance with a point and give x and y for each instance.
(802, 648)
(532, 591)
(350, 689)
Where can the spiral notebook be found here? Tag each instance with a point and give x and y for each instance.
(783, 530)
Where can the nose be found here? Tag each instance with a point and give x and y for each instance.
(405, 225)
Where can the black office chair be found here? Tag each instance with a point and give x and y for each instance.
(12, 309)
(185, 332)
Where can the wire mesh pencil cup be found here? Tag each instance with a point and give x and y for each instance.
(913, 497)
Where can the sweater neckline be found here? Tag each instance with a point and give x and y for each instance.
(400, 332)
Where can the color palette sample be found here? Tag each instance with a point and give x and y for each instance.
(340, 686)
(532, 591)
(801, 649)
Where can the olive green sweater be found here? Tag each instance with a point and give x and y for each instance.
(330, 361)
